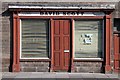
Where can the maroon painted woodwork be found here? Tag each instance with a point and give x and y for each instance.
(108, 43)
(116, 53)
(52, 37)
(61, 42)
(72, 55)
(16, 44)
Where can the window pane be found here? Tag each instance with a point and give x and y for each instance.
(34, 38)
(88, 38)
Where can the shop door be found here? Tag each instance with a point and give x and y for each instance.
(61, 45)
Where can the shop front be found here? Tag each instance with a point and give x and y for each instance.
(61, 39)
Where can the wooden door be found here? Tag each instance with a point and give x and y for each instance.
(61, 45)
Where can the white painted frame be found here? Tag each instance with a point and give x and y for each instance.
(21, 44)
(110, 6)
(90, 57)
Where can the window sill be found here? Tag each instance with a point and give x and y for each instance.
(88, 59)
(36, 60)
(116, 32)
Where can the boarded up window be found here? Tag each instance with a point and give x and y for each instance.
(34, 38)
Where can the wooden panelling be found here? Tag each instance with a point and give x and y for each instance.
(16, 43)
(108, 43)
(61, 37)
(56, 28)
(57, 43)
(66, 28)
(57, 59)
(116, 52)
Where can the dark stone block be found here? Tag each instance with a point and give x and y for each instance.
(5, 69)
(5, 60)
(88, 67)
(29, 69)
(38, 66)
(42, 69)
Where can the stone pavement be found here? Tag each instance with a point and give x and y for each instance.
(57, 76)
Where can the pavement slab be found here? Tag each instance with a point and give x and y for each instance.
(61, 75)
(58, 76)
(77, 75)
(98, 75)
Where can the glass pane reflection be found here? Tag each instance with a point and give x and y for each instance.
(34, 38)
(88, 38)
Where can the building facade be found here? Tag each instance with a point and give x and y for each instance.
(61, 37)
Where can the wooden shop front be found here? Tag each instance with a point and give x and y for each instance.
(67, 38)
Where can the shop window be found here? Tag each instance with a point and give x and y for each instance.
(88, 39)
(34, 38)
(116, 24)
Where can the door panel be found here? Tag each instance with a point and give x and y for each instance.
(57, 43)
(66, 52)
(61, 47)
(57, 27)
(57, 59)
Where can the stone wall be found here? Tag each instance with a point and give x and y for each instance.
(116, 13)
(6, 38)
(34, 66)
(59, 0)
(7, 47)
(0, 37)
(88, 67)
